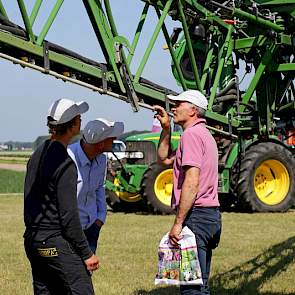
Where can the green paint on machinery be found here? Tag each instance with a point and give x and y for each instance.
(141, 155)
(214, 45)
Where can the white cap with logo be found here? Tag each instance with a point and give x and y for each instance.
(64, 110)
(100, 129)
(193, 96)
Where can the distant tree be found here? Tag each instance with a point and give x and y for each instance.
(18, 145)
(39, 140)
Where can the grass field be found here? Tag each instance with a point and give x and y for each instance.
(11, 181)
(20, 160)
(15, 157)
(21, 154)
(256, 254)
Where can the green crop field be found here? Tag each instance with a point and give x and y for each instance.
(256, 254)
(15, 157)
(15, 154)
(11, 181)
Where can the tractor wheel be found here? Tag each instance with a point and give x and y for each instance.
(266, 181)
(157, 188)
(226, 202)
(123, 201)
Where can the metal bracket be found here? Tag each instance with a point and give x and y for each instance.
(167, 105)
(127, 82)
(46, 57)
(122, 41)
(131, 94)
(230, 129)
(104, 78)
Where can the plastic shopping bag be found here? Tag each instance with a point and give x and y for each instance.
(179, 265)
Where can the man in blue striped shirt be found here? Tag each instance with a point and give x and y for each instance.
(88, 155)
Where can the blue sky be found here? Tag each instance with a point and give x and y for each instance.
(27, 94)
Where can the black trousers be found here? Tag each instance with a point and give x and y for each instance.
(57, 269)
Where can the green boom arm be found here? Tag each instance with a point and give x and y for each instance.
(216, 40)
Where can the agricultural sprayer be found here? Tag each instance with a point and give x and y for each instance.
(240, 54)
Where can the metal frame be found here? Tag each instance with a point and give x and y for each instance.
(121, 83)
(116, 79)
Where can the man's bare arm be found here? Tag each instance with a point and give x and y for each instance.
(165, 154)
(187, 198)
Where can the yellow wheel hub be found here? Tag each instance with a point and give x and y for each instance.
(125, 196)
(271, 182)
(163, 186)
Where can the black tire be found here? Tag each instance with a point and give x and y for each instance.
(157, 202)
(266, 178)
(226, 202)
(119, 205)
(113, 201)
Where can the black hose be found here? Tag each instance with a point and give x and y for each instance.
(228, 87)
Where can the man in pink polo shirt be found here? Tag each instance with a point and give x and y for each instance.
(195, 178)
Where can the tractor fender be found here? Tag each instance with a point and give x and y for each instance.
(234, 150)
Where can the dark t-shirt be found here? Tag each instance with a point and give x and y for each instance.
(50, 198)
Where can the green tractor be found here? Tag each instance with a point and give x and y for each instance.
(148, 184)
(239, 53)
(254, 127)
(262, 181)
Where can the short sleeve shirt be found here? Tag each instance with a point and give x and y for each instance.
(197, 148)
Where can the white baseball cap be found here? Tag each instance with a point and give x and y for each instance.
(193, 96)
(64, 110)
(100, 129)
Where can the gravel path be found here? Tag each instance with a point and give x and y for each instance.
(15, 167)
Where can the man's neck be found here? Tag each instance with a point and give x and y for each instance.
(90, 154)
(63, 139)
(189, 122)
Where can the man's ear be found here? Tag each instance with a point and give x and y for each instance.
(194, 111)
(76, 122)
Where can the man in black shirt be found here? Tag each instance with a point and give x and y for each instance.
(55, 244)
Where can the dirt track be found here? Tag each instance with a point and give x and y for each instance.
(15, 167)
